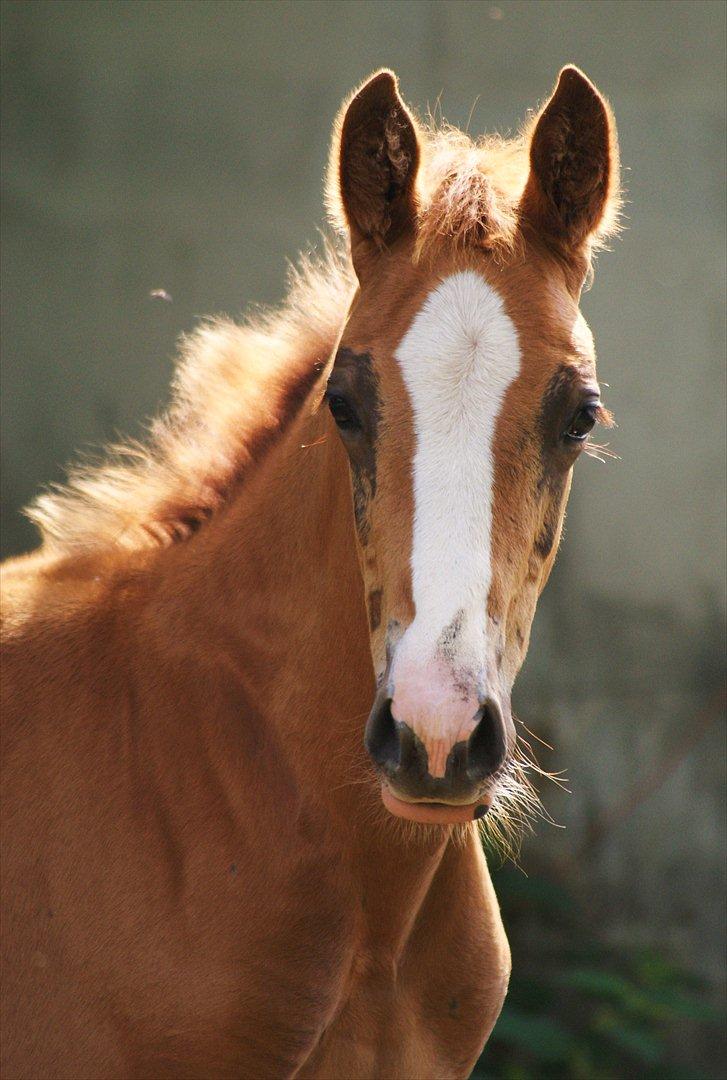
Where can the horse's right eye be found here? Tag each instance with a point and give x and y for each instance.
(342, 413)
(582, 423)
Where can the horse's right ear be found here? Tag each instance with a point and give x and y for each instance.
(572, 194)
(373, 166)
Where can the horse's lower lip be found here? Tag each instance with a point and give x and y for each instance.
(430, 813)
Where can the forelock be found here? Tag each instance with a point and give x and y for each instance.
(469, 191)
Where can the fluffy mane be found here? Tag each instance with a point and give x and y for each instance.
(235, 389)
(470, 190)
(236, 386)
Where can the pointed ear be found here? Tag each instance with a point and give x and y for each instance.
(373, 166)
(572, 193)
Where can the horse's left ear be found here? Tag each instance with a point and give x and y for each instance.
(373, 167)
(572, 193)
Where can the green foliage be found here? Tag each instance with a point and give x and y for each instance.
(577, 1008)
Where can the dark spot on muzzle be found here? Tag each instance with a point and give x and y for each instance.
(448, 638)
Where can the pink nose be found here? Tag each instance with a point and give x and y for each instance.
(438, 712)
(457, 775)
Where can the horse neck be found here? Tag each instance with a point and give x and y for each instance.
(273, 596)
(271, 588)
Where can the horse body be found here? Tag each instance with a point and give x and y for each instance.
(202, 873)
(199, 887)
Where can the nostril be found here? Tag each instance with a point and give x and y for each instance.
(487, 745)
(381, 737)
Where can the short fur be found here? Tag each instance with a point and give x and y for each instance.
(230, 394)
(199, 877)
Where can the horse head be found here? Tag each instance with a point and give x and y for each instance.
(464, 390)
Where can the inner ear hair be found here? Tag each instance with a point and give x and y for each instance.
(374, 164)
(572, 194)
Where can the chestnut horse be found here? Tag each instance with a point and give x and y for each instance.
(210, 868)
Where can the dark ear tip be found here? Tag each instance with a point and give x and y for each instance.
(383, 75)
(574, 84)
(382, 86)
(571, 73)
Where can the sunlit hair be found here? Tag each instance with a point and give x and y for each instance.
(469, 190)
(237, 386)
(235, 390)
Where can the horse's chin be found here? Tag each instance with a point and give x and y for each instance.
(433, 813)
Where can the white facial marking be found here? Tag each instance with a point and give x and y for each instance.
(458, 359)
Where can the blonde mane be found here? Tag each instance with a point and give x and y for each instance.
(236, 386)
(235, 389)
(472, 191)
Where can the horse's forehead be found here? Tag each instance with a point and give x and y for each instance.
(469, 335)
(461, 350)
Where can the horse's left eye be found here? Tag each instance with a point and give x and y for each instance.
(582, 423)
(342, 413)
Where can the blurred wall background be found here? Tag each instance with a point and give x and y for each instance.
(181, 145)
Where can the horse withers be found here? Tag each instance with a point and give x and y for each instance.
(257, 677)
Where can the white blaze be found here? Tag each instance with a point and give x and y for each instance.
(458, 359)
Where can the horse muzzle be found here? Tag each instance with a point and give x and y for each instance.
(445, 781)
